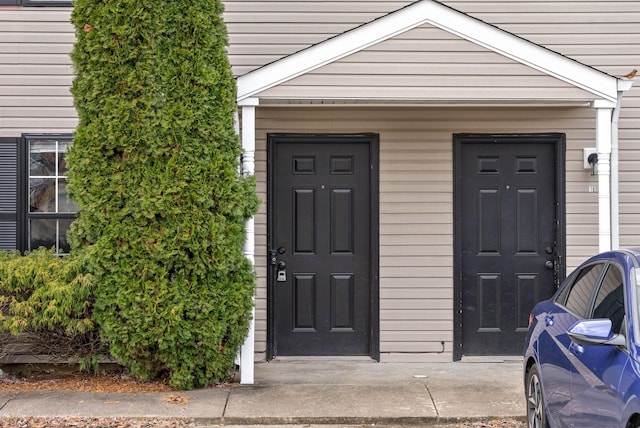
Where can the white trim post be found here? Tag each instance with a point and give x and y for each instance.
(604, 110)
(248, 130)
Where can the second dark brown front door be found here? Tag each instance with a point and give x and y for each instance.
(320, 239)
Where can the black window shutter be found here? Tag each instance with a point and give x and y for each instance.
(9, 193)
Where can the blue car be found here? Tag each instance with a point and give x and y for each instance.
(581, 359)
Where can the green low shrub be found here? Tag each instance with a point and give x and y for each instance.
(49, 297)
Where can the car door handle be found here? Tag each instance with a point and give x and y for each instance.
(548, 320)
(576, 349)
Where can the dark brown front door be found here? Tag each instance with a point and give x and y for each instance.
(320, 207)
(507, 216)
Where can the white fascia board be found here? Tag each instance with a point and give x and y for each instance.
(441, 16)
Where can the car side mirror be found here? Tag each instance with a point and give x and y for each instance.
(595, 332)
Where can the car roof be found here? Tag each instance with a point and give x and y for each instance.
(633, 252)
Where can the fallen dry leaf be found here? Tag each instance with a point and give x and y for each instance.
(176, 399)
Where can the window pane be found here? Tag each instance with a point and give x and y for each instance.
(65, 204)
(49, 233)
(42, 195)
(42, 158)
(42, 233)
(610, 299)
(580, 293)
(63, 228)
(62, 153)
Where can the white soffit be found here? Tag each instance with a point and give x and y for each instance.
(432, 12)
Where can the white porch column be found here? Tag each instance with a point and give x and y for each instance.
(248, 133)
(604, 110)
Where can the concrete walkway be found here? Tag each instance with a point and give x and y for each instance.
(311, 392)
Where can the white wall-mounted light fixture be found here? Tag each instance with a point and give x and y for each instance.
(590, 159)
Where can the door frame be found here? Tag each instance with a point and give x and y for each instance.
(559, 142)
(373, 140)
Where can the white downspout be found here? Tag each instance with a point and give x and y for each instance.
(623, 85)
(248, 168)
(603, 143)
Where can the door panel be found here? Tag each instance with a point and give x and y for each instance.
(320, 210)
(506, 226)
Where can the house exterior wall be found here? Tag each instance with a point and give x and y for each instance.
(416, 231)
(416, 206)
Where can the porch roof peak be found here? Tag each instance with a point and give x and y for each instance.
(551, 63)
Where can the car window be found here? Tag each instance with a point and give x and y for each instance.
(609, 301)
(580, 293)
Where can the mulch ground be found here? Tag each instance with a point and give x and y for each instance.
(106, 382)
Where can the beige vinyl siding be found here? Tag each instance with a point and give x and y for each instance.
(416, 206)
(35, 71)
(416, 284)
(426, 63)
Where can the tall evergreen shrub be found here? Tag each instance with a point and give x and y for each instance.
(154, 166)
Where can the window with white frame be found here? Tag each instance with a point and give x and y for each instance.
(50, 210)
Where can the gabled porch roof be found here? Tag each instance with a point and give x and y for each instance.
(601, 85)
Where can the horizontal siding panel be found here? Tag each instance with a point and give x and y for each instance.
(414, 347)
(416, 207)
(299, 17)
(37, 80)
(36, 69)
(401, 282)
(408, 304)
(420, 198)
(418, 314)
(34, 51)
(33, 102)
(57, 38)
(424, 292)
(38, 15)
(466, 79)
(36, 112)
(48, 59)
(34, 91)
(417, 336)
(423, 232)
(43, 25)
(521, 10)
(416, 357)
(415, 218)
(416, 271)
(433, 66)
(439, 249)
(311, 7)
(412, 261)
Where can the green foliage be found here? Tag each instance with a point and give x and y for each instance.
(154, 167)
(44, 295)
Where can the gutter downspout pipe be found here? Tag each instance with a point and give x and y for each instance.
(623, 85)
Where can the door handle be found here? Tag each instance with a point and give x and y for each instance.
(575, 348)
(548, 320)
(549, 264)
